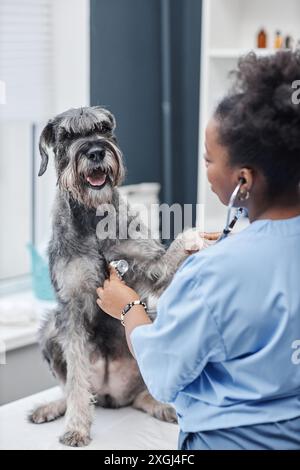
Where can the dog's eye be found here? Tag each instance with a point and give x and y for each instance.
(105, 128)
(64, 135)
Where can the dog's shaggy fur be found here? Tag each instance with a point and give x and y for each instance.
(86, 348)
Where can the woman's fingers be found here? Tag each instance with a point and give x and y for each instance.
(211, 236)
(113, 273)
(113, 276)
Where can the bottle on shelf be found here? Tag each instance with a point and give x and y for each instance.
(289, 42)
(278, 43)
(262, 39)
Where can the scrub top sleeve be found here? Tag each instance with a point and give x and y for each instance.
(174, 349)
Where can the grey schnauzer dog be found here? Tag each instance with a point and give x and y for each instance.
(86, 348)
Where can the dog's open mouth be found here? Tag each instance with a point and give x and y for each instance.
(96, 179)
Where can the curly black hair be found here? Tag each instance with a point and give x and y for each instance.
(259, 122)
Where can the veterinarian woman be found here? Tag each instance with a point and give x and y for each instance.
(224, 348)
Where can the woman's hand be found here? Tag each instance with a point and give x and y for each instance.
(213, 236)
(114, 295)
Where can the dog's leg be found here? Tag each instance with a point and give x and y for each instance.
(48, 412)
(53, 354)
(144, 401)
(77, 280)
(149, 259)
(79, 398)
(163, 269)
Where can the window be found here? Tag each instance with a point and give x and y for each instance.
(25, 68)
(44, 68)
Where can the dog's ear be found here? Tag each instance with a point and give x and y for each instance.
(46, 142)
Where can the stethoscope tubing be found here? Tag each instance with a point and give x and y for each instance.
(230, 223)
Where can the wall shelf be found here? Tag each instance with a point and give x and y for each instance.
(236, 53)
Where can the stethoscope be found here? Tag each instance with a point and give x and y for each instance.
(239, 212)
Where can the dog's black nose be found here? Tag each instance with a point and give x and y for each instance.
(96, 154)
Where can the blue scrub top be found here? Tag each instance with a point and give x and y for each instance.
(225, 346)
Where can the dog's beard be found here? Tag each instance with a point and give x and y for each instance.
(92, 184)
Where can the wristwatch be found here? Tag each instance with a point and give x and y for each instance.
(128, 307)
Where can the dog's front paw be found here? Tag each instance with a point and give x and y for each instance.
(165, 413)
(192, 240)
(75, 439)
(40, 415)
(46, 413)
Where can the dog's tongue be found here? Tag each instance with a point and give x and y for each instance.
(97, 178)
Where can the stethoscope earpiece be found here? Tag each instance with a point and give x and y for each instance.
(239, 211)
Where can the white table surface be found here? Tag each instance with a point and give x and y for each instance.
(20, 317)
(120, 429)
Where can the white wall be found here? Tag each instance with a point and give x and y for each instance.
(71, 83)
(229, 30)
(71, 54)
